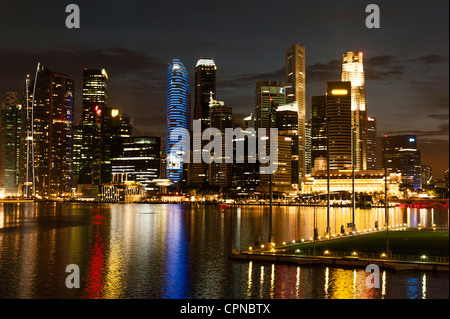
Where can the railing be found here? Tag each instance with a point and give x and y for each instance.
(371, 256)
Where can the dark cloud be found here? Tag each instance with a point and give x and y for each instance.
(249, 80)
(322, 72)
(383, 68)
(438, 116)
(430, 59)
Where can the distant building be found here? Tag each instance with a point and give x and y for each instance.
(245, 173)
(403, 157)
(268, 96)
(426, 175)
(205, 85)
(221, 118)
(287, 124)
(126, 191)
(371, 143)
(140, 161)
(10, 129)
(318, 120)
(178, 110)
(446, 178)
(308, 138)
(367, 181)
(116, 130)
(282, 178)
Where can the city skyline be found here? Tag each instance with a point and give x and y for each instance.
(400, 77)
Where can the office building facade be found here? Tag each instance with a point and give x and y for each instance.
(10, 129)
(95, 96)
(296, 92)
(205, 87)
(339, 132)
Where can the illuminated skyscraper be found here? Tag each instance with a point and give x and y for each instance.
(52, 122)
(339, 125)
(403, 157)
(10, 123)
(95, 86)
(269, 95)
(205, 84)
(221, 118)
(372, 143)
(287, 124)
(318, 120)
(178, 111)
(353, 71)
(295, 92)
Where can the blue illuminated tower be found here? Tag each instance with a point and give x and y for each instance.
(177, 116)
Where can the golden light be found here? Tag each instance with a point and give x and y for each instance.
(284, 243)
(262, 246)
(326, 252)
(339, 92)
(354, 253)
(114, 112)
(250, 248)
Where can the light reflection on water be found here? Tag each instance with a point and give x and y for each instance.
(178, 251)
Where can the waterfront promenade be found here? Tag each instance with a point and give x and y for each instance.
(409, 249)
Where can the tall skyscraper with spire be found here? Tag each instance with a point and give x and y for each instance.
(295, 92)
(178, 111)
(205, 85)
(353, 71)
(50, 100)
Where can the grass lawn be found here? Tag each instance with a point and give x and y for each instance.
(410, 242)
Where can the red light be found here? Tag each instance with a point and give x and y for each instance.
(270, 99)
(385, 135)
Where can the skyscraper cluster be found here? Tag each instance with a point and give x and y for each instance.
(44, 153)
(338, 133)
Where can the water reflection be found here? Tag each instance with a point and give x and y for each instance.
(177, 251)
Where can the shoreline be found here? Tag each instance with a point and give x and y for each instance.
(346, 261)
(391, 205)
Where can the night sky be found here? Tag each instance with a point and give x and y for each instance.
(406, 60)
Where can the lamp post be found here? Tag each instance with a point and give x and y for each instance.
(272, 105)
(353, 178)
(328, 173)
(386, 208)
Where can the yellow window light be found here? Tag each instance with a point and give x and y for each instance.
(339, 92)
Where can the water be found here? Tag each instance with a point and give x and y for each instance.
(179, 251)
